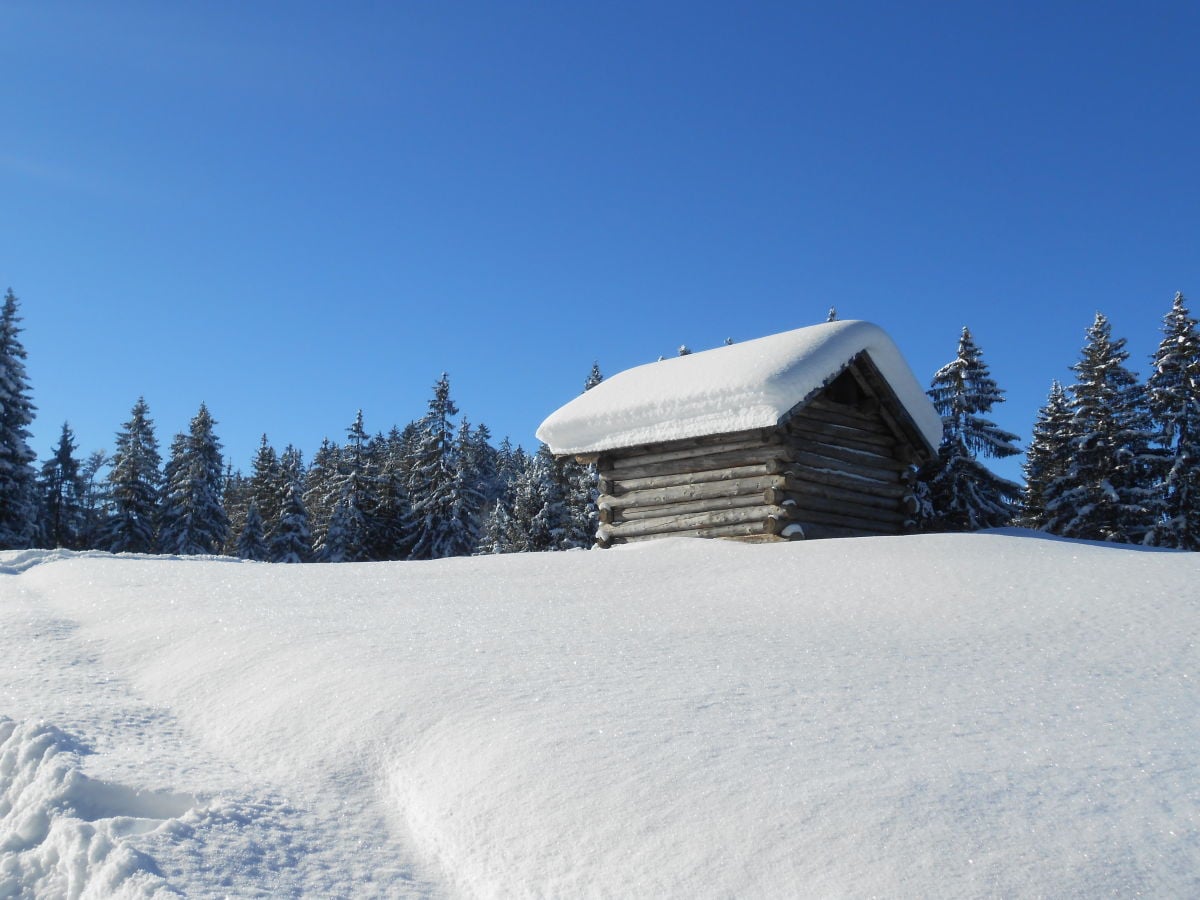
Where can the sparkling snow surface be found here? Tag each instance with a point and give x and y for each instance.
(734, 388)
(931, 716)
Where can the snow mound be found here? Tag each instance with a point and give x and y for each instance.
(734, 388)
(63, 834)
(17, 561)
(931, 716)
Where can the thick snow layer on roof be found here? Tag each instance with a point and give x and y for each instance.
(733, 388)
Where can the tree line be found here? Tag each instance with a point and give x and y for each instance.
(1112, 457)
(435, 488)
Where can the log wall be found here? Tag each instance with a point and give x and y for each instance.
(835, 469)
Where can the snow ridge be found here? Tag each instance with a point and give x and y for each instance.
(64, 834)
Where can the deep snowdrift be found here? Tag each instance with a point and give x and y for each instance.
(921, 716)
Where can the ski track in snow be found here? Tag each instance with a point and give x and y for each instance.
(66, 834)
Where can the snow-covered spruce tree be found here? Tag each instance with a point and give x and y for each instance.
(1047, 458)
(964, 494)
(510, 463)
(393, 526)
(344, 536)
(61, 488)
(434, 482)
(1173, 396)
(134, 486)
(95, 499)
(267, 485)
(291, 541)
(1107, 492)
(476, 485)
(320, 491)
(499, 535)
(251, 541)
(540, 519)
(18, 479)
(193, 515)
(580, 483)
(594, 377)
(235, 500)
(348, 536)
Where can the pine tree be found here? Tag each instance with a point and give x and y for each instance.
(594, 377)
(965, 494)
(1173, 396)
(348, 537)
(291, 541)
(95, 498)
(432, 480)
(551, 526)
(1047, 459)
(393, 525)
(267, 485)
(320, 491)
(498, 532)
(510, 463)
(18, 479)
(135, 486)
(475, 486)
(580, 484)
(251, 541)
(193, 515)
(62, 495)
(1107, 491)
(236, 498)
(539, 519)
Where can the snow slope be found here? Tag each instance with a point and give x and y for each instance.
(935, 716)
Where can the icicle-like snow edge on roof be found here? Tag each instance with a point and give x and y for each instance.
(733, 388)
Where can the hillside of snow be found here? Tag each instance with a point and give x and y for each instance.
(930, 716)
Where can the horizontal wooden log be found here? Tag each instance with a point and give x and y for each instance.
(804, 427)
(710, 519)
(610, 512)
(865, 486)
(690, 450)
(885, 516)
(842, 467)
(797, 487)
(879, 458)
(736, 487)
(750, 531)
(704, 440)
(839, 520)
(815, 532)
(714, 462)
(847, 416)
(622, 487)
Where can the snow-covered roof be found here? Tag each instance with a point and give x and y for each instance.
(733, 388)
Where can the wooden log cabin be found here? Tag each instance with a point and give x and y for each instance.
(812, 433)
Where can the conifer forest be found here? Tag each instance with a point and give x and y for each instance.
(1111, 457)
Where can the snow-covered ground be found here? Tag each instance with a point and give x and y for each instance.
(934, 716)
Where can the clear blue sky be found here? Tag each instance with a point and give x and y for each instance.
(291, 210)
